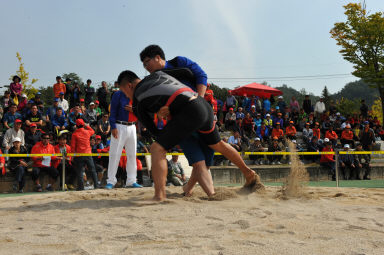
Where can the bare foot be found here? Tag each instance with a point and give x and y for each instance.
(187, 192)
(251, 179)
(158, 199)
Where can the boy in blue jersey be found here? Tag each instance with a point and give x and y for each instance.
(199, 155)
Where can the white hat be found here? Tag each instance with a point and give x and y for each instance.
(92, 103)
(280, 97)
(346, 145)
(294, 141)
(338, 114)
(23, 95)
(257, 139)
(253, 106)
(268, 115)
(326, 140)
(16, 139)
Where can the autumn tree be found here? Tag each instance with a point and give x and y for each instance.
(28, 88)
(361, 38)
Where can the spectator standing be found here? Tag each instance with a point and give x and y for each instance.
(364, 109)
(18, 165)
(367, 137)
(68, 89)
(102, 95)
(89, 92)
(44, 163)
(123, 126)
(75, 94)
(327, 160)
(319, 109)
(104, 127)
(231, 101)
(80, 143)
(16, 88)
(281, 104)
(294, 104)
(58, 87)
(307, 104)
(63, 103)
(267, 105)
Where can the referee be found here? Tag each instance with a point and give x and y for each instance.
(123, 126)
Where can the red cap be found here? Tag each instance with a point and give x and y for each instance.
(33, 125)
(97, 137)
(97, 102)
(231, 109)
(81, 99)
(291, 122)
(279, 113)
(79, 122)
(18, 121)
(277, 123)
(275, 138)
(317, 123)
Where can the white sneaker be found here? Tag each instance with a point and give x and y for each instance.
(278, 162)
(261, 162)
(273, 163)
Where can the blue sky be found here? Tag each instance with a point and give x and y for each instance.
(250, 40)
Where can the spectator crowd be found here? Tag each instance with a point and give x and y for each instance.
(77, 120)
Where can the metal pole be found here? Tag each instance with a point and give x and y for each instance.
(337, 167)
(63, 177)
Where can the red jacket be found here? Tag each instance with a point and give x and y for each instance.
(80, 142)
(40, 148)
(327, 157)
(331, 135)
(316, 132)
(57, 150)
(2, 160)
(348, 135)
(290, 130)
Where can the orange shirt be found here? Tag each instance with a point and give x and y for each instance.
(290, 130)
(331, 135)
(277, 132)
(327, 157)
(347, 134)
(40, 148)
(59, 87)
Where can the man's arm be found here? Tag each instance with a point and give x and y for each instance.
(200, 75)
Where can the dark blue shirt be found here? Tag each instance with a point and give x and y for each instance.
(183, 62)
(118, 112)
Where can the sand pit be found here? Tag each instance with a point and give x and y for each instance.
(122, 221)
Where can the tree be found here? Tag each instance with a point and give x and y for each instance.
(28, 88)
(73, 76)
(219, 93)
(348, 107)
(326, 96)
(361, 38)
(377, 111)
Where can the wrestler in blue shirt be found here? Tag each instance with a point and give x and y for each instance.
(118, 112)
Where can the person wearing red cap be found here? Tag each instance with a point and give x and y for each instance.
(70, 173)
(32, 136)
(230, 120)
(290, 131)
(80, 143)
(316, 130)
(83, 107)
(278, 132)
(44, 163)
(274, 147)
(98, 110)
(347, 136)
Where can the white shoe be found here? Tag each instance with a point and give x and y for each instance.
(273, 163)
(261, 162)
(278, 162)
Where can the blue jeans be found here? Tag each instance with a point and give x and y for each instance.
(79, 163)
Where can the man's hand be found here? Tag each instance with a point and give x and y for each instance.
(163, 112)
(128, 108)
(352, 165)
(360, 165)
(342, 164)
(23, 163)
(115, 133)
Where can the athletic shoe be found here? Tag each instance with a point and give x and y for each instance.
(278, 162)
(261, 162)
(49, 188)
(273, 163)
(20, 191)
(109, 186)
(133, 185)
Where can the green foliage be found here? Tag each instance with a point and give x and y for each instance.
(357, 90)
(361, 39)
(347, 106)
(325, 94)
(288, 92)
(73, 76)
(28, 88)
(47, 95)
(219, 93)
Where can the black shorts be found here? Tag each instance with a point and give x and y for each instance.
(196, 115)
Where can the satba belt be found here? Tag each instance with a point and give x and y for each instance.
(125, 123)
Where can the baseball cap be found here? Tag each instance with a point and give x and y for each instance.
(279, 113)
(31, 102)
(326, 140)
(275, 138)
(61, 93)
(253, 106)
(231, 109)
(97, 102)
(347, 126)
(16, 139)
(366, 122)
(81, 99)
(338, 114)
(293, 141)
(79, 122)
(346, 145)
(291, 122)
(277, 123)
(268, 115)
(38, 93)
(307, 123)
(24, 95)
(56, 99)
(257, 139)
(317, 123)
(91, 103)
(18, 121)
(97, 137)
(33, 125)
(280, 97)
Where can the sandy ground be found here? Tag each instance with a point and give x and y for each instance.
(125, 221)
